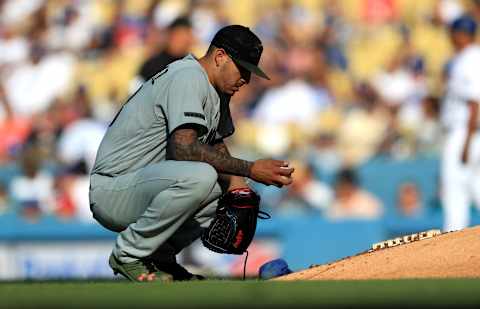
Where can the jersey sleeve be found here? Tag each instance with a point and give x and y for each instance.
(184, 102)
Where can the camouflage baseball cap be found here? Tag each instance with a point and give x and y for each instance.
(242, 45)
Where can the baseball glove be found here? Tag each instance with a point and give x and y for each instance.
(235, 222)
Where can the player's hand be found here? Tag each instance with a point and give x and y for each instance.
(272, 172)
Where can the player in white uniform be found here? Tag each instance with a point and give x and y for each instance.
(461, 152)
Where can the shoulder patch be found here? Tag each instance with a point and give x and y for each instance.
(196, 115)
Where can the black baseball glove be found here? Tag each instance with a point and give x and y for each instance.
(234, 225)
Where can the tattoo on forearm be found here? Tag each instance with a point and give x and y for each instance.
(183, 145)
(223, 179)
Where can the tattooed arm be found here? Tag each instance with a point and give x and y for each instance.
(183, 145)
(229, 182)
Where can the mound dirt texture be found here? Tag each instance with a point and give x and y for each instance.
(448, 255)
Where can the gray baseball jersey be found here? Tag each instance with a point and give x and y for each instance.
(181, 94)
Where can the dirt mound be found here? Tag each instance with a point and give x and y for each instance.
(448, 255)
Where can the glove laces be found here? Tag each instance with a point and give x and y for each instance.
(261, 215)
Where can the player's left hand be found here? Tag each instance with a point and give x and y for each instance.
(233, 228)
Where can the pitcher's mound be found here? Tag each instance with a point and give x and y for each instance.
(448, 255)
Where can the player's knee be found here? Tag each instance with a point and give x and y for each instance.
(205, 178)
(206, 175)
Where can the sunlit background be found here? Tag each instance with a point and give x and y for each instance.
(353, 102)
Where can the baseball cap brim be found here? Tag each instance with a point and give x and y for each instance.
(250, 67)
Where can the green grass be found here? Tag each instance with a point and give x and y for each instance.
(223, 293)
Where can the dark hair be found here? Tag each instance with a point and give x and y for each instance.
(347, 175)
(182, 21)
(210, 49)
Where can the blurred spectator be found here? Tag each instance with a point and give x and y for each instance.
(115, 52)
(163, 13)
(79, 193)
(207, 18)
(33, 86)
(299, 100)
(13, 129)
(71, 198)
(351, 201)
(64, 202)
(15, 11)
(72, 28)
(179, 43)
(476, 10)
(324, 156)
(379, 11)
(306, 193)
(81, 135)
(364, 126)
(126, 28)
(292, 107)
(335, 34)
(14, 47)
(409, 200)
(403, 82)
(429, 134)
(33, 191)
(395, 85)
(445, 11)
(45, 129)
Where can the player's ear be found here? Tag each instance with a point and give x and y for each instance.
(220, 57)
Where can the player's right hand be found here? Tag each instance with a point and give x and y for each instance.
(272, 172)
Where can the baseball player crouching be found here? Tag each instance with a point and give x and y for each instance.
(163, 176)
(460, 168)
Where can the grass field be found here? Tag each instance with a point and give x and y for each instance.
(226, 294)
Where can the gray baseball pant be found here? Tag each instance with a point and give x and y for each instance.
(158, 210)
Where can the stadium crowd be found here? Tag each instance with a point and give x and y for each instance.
(350, 80)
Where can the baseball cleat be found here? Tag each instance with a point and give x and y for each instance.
(176, 270)
(138, 271)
